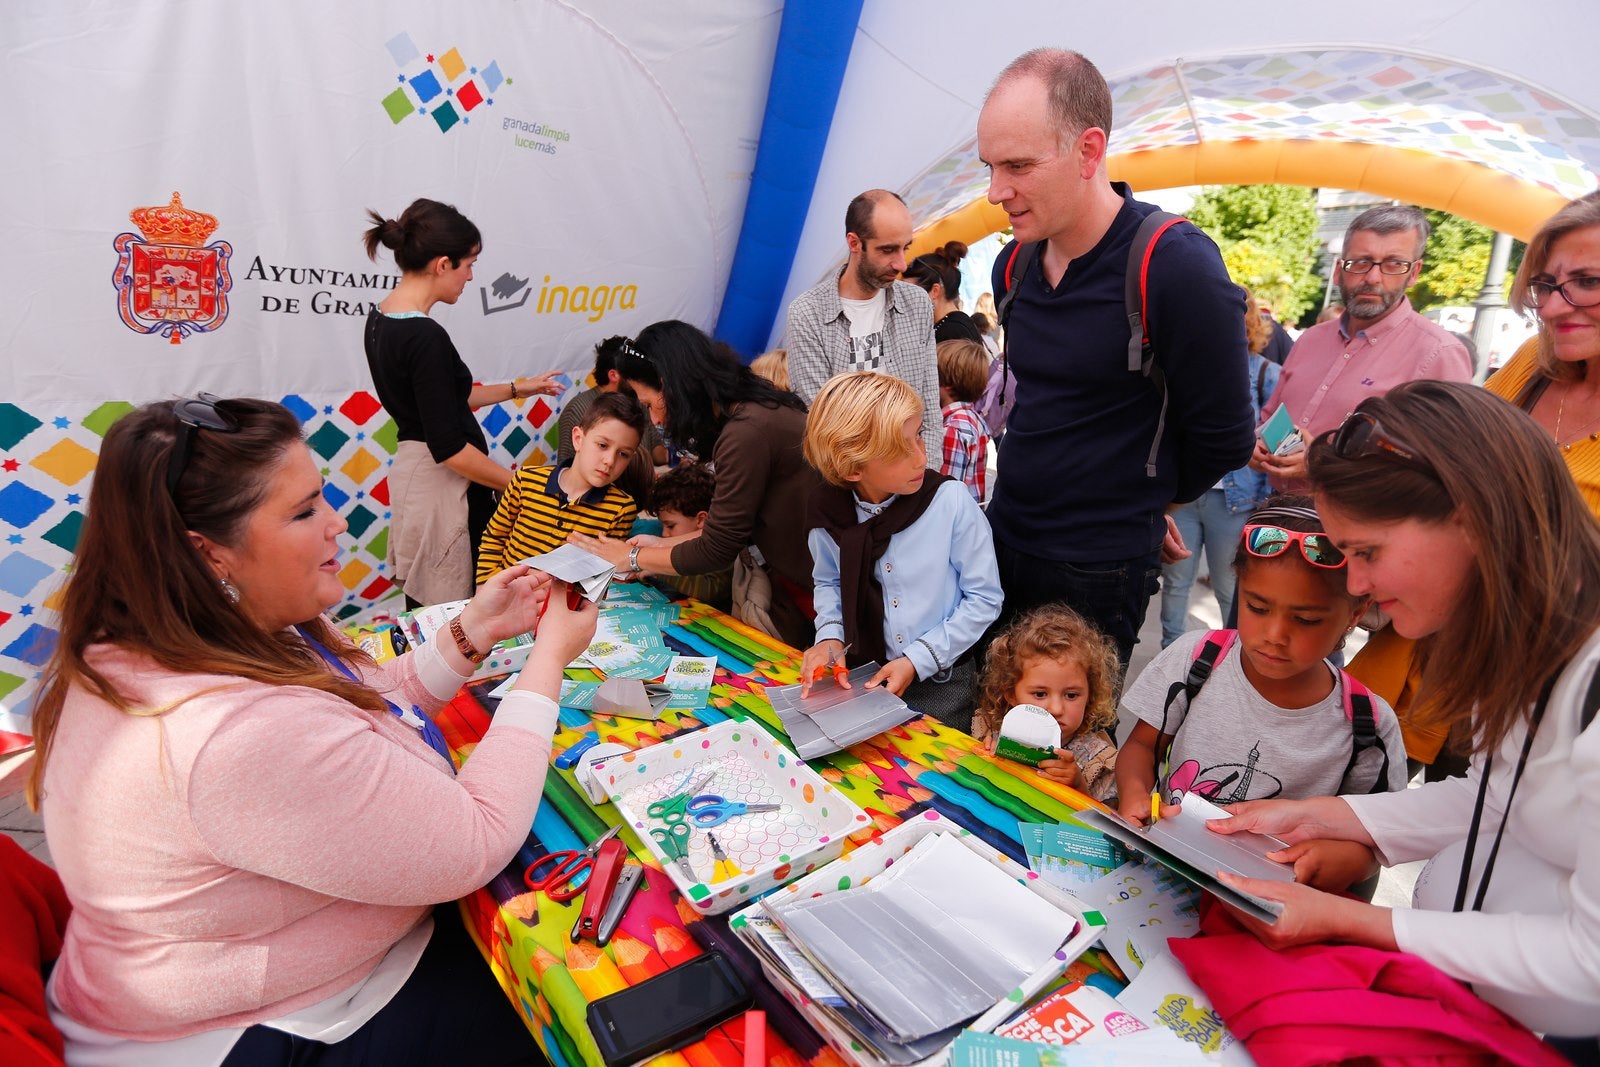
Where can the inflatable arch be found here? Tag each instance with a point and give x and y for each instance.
(1492, 126)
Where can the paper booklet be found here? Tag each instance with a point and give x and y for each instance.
(956, 931)
(1183, 843)
(578, 567)
(833, 718)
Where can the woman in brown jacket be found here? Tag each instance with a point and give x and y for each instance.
(708, 402)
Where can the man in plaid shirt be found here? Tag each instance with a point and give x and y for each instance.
(963, 373)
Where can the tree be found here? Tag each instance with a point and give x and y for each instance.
(1456, 261)
(1268, 237)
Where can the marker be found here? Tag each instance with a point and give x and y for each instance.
(1155, 806)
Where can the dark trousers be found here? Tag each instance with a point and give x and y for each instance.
(1113, 596)
(450, 1011)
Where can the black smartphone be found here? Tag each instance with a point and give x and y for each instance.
(673, 1009)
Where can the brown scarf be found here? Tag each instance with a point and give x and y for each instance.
(861, 545)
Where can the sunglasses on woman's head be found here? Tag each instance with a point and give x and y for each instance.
(194, 414)
(1363, 435)
(1268, 541)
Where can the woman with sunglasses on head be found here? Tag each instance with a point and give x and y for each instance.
(711, 404)
(443, 482)
(1460, 520)
(938, 273)
(254, 820)
(1271, 718)
(1555, 377)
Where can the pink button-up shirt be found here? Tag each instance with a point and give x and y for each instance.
(1329, 372)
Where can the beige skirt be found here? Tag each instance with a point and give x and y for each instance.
(430, 552)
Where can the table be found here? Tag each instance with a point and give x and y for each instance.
(917, 767)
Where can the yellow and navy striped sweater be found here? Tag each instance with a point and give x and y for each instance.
(535, 516)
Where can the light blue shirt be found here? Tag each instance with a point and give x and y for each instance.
(941, 588)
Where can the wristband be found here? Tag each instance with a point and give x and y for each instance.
(514, 394)
(464, 644)
(633, 559)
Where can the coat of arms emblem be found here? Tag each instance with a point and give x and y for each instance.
(170, 281)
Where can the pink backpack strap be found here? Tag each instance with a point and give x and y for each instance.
(1361, 712)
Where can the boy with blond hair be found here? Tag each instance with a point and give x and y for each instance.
(963, 374)
(902, 559)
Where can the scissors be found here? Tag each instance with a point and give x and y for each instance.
(725, 867)
(565, 879)
(671, 810)
(674, 841)
(709, 809)
(835, 664)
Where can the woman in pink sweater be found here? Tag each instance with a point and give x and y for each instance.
(252, 819)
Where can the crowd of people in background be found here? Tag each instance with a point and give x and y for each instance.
(983, 505)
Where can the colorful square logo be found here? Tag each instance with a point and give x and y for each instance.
(444, 86)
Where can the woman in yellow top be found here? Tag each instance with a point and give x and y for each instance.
(1555, 377)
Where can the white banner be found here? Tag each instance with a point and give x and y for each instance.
(604, 154)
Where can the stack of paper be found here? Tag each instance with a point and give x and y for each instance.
(833, 718)
(576, 566)
(627, 641)
(1069, 855)
(956, 933)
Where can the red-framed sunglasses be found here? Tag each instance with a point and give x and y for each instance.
(1267, 541)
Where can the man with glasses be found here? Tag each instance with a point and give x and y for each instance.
(1379, 341)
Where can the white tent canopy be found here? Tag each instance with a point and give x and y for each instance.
(1487, 110)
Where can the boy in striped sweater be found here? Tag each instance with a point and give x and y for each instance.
(545, 504)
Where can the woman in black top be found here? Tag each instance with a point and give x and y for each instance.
(442, 484)
(939, 276)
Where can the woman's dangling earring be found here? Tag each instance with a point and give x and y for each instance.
(230, 591)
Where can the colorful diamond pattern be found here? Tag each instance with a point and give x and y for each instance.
(50, 456)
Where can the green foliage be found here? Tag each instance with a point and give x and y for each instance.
(1268, 237)
(1456, 261)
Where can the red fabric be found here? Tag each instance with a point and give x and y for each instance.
(1320, 1004)
(33, 917)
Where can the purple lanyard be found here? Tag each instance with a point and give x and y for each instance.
(430, 731)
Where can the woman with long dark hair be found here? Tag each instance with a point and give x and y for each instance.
(1459, 519)
(711, 404)
(443, 482)
(252, 819)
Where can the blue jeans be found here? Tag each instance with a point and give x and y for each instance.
(1205, 524)
(1113, 596)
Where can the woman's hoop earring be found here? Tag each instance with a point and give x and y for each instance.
(230, 591)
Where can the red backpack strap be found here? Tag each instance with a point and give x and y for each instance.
(1017, 266)
(1208, 652)
(1136, 288)
(1135, 291)
(1026, 253)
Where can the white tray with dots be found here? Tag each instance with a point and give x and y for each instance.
(766, 849)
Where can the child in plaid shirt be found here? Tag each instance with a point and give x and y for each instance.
(963, 373)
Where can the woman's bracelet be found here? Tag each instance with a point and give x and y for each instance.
(514, 394)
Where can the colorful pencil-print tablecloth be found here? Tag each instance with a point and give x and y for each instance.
(921, 766)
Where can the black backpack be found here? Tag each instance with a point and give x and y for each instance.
(1141, 353)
